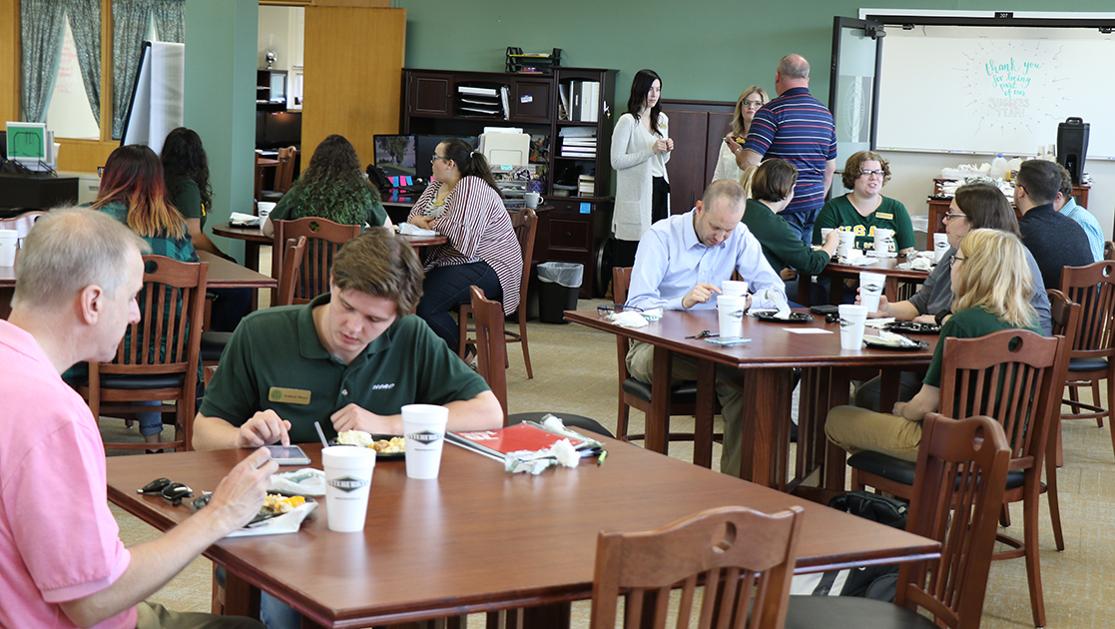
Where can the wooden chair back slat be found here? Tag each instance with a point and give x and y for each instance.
(323, 239)
(525, 223)
(958, 491)
(491, 345)
(1093, 287)
(171, 307)
(746, 557)
(284, 172)
(294, 256)
(1009, 375)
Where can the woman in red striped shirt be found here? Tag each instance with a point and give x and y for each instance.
(463, 204)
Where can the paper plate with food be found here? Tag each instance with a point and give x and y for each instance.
(386, 446)
(279, 514)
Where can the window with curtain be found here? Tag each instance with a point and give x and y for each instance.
(133, 22)
(70, 114)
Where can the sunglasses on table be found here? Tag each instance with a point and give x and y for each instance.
(172, 492)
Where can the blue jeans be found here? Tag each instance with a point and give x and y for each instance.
(276, 614)
(447, 287)
(150, 422)
(802, 223)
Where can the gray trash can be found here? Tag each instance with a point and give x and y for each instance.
(558, 286)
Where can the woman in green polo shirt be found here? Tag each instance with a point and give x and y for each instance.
(865, 209)
(772, 189)
(991, 281)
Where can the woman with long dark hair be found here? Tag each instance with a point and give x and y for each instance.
(463, 204)
(333, 187)
(186, 169)
(640, 149)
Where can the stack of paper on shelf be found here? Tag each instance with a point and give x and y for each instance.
(578, 142)
(483, 101)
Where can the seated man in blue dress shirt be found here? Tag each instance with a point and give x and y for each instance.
(1066, 205)
(680, 264)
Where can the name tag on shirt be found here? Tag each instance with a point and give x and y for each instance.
(289, 396)
(885, 216)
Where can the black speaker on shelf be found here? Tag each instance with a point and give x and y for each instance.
(1072, 146)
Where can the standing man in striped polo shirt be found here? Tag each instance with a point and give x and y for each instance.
(799, 129)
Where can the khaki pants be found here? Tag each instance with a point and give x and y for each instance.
(855, 429)
(640, 364)
(155, 616)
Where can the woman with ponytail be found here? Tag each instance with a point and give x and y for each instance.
(463, 204)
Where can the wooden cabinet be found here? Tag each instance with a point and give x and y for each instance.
(939, 206)
(571, 228)
(697, 128)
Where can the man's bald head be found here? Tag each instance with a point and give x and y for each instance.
(793, 71)
(70, 249)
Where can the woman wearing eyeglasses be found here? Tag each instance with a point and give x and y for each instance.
(975, 206)
(993, 287)
(463, 204)
(750, 101)
(865, 209)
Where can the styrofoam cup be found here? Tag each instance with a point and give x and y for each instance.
(263, 210)
(348, 483)
(852, 320)
(424, 427)
(870, 289)
(736, 288)
(729, 310)
(9, 242)
(847, 244)
(884, 243)
(940, 246)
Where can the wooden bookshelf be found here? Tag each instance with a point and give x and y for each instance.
(571, 228)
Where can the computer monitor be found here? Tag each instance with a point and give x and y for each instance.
(395, 156)
(427, 144)
(27, 142)
(281, 129)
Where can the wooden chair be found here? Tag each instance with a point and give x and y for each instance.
(634, 393)
(284, 175)
(961, 477)
(294, 255)
(744, 559)
(158, 358)
(491, 355)
(323, 239)
(1065, 316)
(1010, 375)
(1092, 356)
(526, 227)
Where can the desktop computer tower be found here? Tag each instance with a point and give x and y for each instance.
(1072, 146)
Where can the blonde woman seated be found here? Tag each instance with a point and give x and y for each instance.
(992, 284)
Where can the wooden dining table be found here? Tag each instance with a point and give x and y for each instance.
(839, 272)
(222, 274)
(253, 238)
(479, 539)
(765, 365)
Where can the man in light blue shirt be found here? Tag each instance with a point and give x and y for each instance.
(680, 264)
(1066, 204)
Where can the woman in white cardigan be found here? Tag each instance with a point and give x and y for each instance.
(750, 101)
(640, 149)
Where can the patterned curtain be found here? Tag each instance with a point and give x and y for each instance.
(85, 22)
(41, 29)
(169, 22)
(130, 19)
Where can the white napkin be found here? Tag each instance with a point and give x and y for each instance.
(239, 219)
(410, 229)
(628, 319)
(288, 522)
(304, 482)
(879, 322)
(864, 261)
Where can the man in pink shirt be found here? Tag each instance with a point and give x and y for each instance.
(62, 563)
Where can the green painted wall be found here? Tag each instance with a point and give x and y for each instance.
(220, 100)
(704, 49)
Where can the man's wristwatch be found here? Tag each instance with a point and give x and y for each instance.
(940, 316)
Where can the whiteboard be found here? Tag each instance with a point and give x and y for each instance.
(156, 107)
(990, 90)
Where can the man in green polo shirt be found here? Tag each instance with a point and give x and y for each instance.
(350, 359)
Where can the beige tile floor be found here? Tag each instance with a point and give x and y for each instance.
(575, 372)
